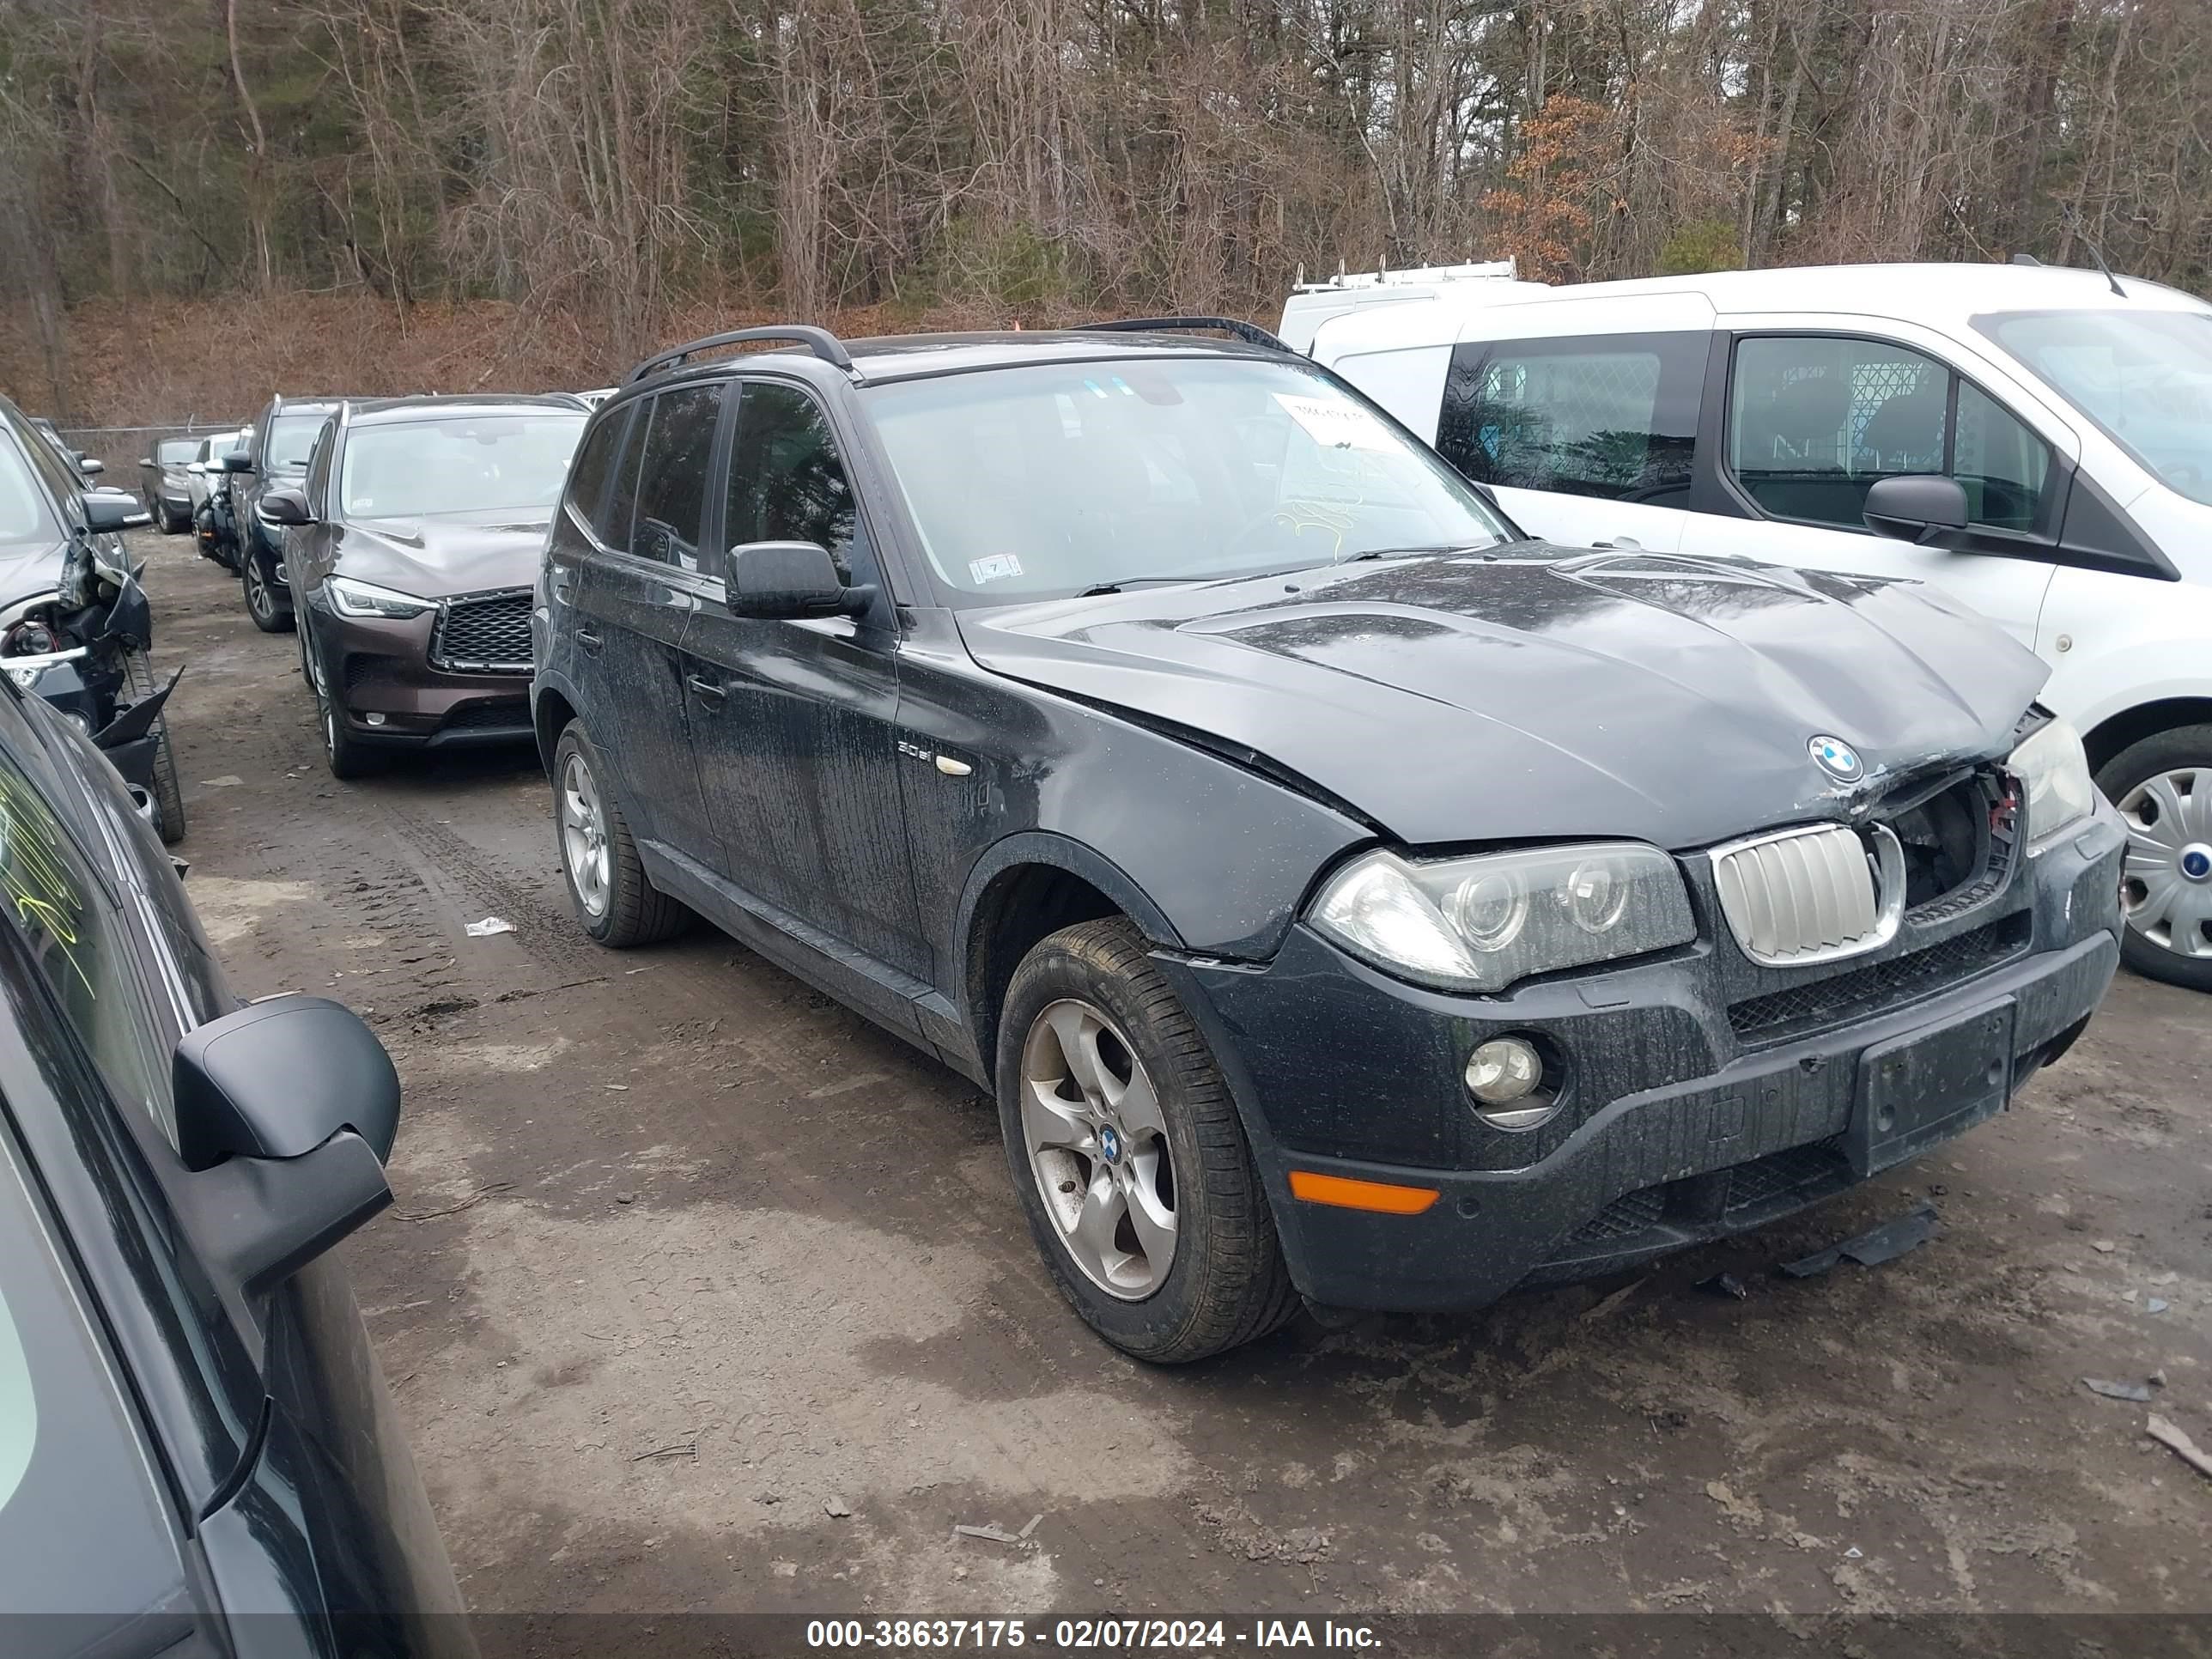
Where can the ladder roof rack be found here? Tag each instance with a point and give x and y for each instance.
(818, 340)
(1251, 334)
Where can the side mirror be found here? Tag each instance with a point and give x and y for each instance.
(199, 467)
(286, 1109)
(788, 579)
(1916, 506)
(89, 467)
(278, 1079)
(145, 460)
(236, 461)
(109, 510)
(286, 507)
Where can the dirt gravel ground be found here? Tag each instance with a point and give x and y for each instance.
(701, 1294)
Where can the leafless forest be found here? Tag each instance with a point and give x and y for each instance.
(545, 186)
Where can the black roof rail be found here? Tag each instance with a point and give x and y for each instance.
(1251, 334)
(819, 341)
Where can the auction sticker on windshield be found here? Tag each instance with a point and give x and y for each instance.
(1336, 425)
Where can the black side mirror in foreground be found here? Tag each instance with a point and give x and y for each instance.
(107, 510)
(789, 579)
(286, 507)
(287, 1107)
(1916, 506)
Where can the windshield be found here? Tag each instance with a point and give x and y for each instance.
(23, 514)
(2143, 376)
(467, 464)
(175, 451)
(1048, 479)
(291, 440)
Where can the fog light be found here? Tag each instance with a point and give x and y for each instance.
(1506, 1077)
(1503, 1070)
(374, 719)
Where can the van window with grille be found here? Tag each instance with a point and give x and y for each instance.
(1814, 420)
(1609, 416)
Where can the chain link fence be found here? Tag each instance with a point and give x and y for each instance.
(120, 448)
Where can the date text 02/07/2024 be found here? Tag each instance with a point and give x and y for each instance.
(1087, 1634)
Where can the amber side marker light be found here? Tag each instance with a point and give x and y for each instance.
(1349, 1194)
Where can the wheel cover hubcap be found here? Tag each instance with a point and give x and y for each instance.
(584, 834)
(2167, 888)
(1097, 1147)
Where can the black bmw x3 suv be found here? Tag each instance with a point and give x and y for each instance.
(1342, 894)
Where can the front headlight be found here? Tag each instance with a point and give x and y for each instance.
(356, 598)
(1479, 924)
(2051, 765)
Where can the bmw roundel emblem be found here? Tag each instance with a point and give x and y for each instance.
(1836, 758)
(1109, 1144)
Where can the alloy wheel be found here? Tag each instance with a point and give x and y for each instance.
(257, 588)
(1098, 1146)
(584, 835)
(2167, 888)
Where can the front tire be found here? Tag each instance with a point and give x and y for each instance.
(1128, 1154)
(619, 906)
(270, 616)
(168, 792)
(2163, 787)
(346, 754)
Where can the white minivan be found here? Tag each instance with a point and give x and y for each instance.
(2037, 441)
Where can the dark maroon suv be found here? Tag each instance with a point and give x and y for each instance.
(408, 549)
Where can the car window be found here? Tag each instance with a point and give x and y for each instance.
(291, 437)
(1814, 420)
(175, 451)
(588, 474)
(786, 483)
(2143, 376)
(66, 919)
(56, 471)
(461, 463)
(612, 521)
(318, 468)
(81, 1527)
(1610, 416)
(24, 515)
(1050, 478)
(672, 490)
(2003, 465)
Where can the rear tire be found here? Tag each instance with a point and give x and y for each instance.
(2163, 787)
(168, 793)
(615, 901)
(1225, 1282)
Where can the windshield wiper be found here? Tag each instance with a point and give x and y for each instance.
(1098, 588)
(1407, 552)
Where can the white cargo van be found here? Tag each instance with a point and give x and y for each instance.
(2037, 441)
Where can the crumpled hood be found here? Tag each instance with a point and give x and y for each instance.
(30, 567)
(1538, 692)
(435, 555)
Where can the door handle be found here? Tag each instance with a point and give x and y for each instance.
(706, 691)
(591, 642)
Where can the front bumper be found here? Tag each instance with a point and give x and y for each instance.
(376, 665)
(1688, 1113)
